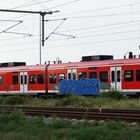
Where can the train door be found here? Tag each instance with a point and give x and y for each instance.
(72, 74)
(23, 82)
(115, 78)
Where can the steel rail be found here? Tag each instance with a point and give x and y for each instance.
(78, 113)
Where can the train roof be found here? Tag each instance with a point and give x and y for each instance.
(116, 62)
(100, 63)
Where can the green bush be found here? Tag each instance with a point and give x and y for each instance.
(68, 100)
(13, 100)
(2, 98)
(112, 94)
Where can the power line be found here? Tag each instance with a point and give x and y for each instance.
(104, 8)
(102, 15)
(95, 35)
(64, 4)
(102, 34)
(14, 38)
(30, 4)
(24, 34)
(95, 42)
(70, 45)
(101, 26)
(106, 15)
(25, 5)
(78, 37)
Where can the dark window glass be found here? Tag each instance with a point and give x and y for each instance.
(104, 76)
(15, 79)
(118, 76)
(82, 76)
(69, 76)
(32, 79)
(112, 76)
(40, 79)
(52, 78)
(72, 76)
(137, 75)
(21, 79)
(25, 78)
(61, 77)
(128, 75)
(1, 80)
(92, 75)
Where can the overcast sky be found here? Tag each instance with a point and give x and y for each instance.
(92, 27)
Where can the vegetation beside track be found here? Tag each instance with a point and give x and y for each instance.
(16, 126)
(113, 100)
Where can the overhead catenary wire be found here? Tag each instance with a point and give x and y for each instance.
(95, 42)
(96, 35)
(99, 9)
(104, 8)
(64, 4)
(30, 4)
(106, 15)
(71, 36)
(99, 34)
(18, 33)
(71, 45)
(101, 26)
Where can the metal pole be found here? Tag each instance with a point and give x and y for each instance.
(40, 39)
(43, 27)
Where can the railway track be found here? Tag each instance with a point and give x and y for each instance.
(78, 113)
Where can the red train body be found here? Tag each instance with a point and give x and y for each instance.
(122, 75)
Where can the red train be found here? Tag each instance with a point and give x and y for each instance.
(121, 74)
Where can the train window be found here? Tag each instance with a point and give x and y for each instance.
(32, 79)
(128, 75)
(69, 76)
(1, 80)
(21, 80)
(40, 79)
(112, 76)
(118, 75)
(82, 76)
(104, 76)
(15, 79)
(25, 78)
(61, 77)
(72, 76)
(137, 75)
(92, 75)
(52, 78)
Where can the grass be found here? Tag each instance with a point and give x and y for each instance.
(91, 102)
(75, 101)
(16, 126)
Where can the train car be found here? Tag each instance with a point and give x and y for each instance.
(23, 80)
(120, 74)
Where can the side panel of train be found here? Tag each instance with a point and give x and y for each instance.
(38, 79)
(23, 82)
(125, 79)
(131, 79)
(102, 73)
